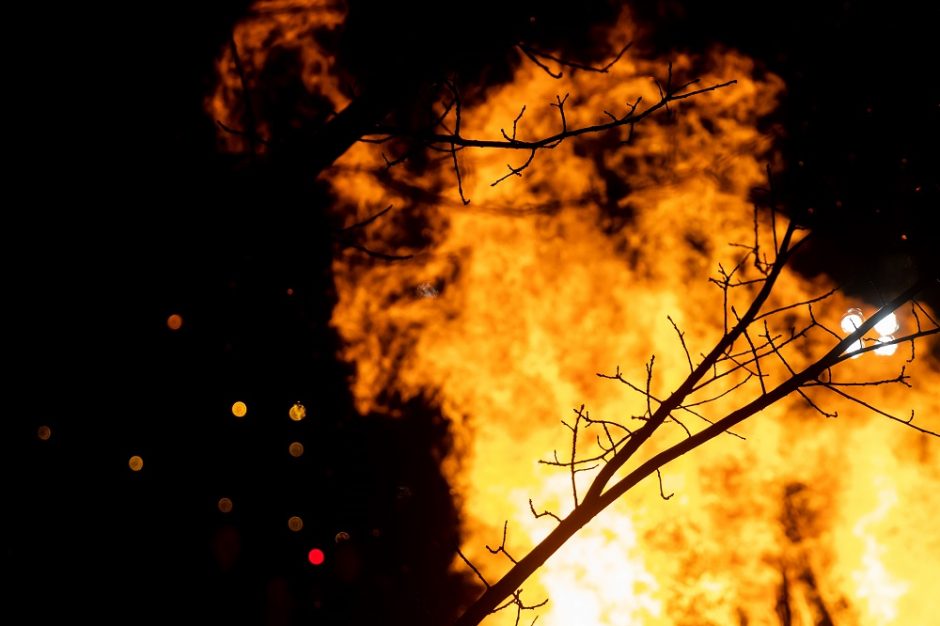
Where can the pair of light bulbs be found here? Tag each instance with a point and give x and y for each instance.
(886, 327)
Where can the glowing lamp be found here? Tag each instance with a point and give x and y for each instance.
(888, 325)
(851, 320)
(886, 349)
(855, 347)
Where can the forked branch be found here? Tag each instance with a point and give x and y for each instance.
(724, 360)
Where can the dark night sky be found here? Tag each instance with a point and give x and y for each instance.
(131, 215)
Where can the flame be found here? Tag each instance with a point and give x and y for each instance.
(274, 30)
(519, 298)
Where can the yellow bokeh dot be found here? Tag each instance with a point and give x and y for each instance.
(239, 409)
(296, 449)
(225, 505)
(297, 412)
(136, 463)
(44, 432)
(174, 322)
(295, 523)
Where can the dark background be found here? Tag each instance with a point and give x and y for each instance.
(122, 212)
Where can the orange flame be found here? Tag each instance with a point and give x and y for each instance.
(287, 26)
(572, 269)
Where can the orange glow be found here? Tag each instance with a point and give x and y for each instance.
(44, 433)
(174, 322)
(295, 523)
(296, 449)
(136, 463)
(341, 537)
(225, 505)
(239, 409)
(297, 412)
(295, 31)
(571, 269)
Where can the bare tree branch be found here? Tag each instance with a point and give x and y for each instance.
(682, 341)
(347, 239)
(502, 545)
(473, 567)
(536, 55)
(456, 139)
(544, 513)
(662, 493)
(606, 489)
(908, 422)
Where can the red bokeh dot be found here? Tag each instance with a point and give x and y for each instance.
(315, 556)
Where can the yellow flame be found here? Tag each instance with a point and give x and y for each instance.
(572, 269)
(874, 582)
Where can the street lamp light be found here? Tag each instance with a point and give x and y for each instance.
(851, 320)
(886, 327)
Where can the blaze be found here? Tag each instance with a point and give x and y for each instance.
(519, 298)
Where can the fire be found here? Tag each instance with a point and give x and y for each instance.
(291, 26)
(521, 296)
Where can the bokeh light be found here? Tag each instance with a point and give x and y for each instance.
(174, 322)
(889, 348)
(136, 463)
(297, 412)
(888, 325)
(316, 556)
(239, 409)
(44, 433)
(295, 523)
(225, 505)
(342, 536)
(854, 348)
(851, 320)
(296, 449)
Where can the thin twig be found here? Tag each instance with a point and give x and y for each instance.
(682, 341)
(368, 220)
(502, 546)
(533, 54)
(661, 492)
(472, 567)
(543, 513)
(908, 422)
(251, 126)
(458, 140)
